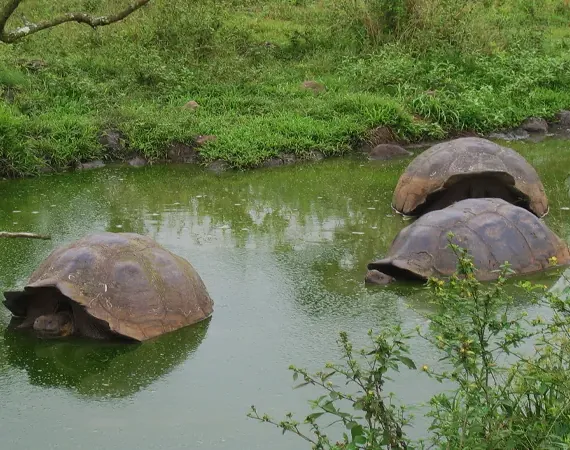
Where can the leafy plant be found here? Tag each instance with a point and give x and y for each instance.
(503, 397)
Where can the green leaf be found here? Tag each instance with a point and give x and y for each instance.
(356, 431)
(359, 440)
(407, 361)
(295, 376)
(329, 407)
(314, 416)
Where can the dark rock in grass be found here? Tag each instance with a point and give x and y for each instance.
(137, 161)
(314, 155)
(33, 65)
(218, 166)
(191, 105)
(272, 162)
(91, 165)
(114, 142)
(384, 152)
(314, 86)
(182, 153)
(205, 138)
(288, 158)
(512, 135)
(9, 94)
(377, 136)
(535, 125)
(564, 119)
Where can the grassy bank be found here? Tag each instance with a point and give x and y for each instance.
(424, 68)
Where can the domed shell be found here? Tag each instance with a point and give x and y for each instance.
(443, 166)
(129, 281)
(491, 229)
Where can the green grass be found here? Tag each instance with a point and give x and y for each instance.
(491, 64)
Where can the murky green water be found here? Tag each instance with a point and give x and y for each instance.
(282, 252)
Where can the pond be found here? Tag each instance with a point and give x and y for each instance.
(283, 253)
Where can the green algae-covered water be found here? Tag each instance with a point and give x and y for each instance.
(282, 251)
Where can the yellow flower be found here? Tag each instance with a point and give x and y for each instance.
(424, 368)
(553, 260)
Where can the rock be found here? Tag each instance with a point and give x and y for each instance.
(377, 277)
(513, 135)
(535, 125)
(218, 166)
(182, 153)
(33, 65)
(314, 155)
(388, 151)
(272, 162)
(46, 169)
(314, 86)
(288, 158)
(9, 94)
(137, 161)
(202, 139)
(377, 136)
(564, 119)
(192, 105)
(114, 142)
(91, 165)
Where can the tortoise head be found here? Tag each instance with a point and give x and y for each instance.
(376, 277)
(55, 325)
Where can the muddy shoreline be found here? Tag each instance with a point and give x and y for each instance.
(379, 144)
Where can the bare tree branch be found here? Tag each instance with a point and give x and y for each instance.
(5, 234)
(6, 12)
(31, 28)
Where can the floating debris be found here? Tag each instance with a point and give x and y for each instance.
(16, 211)
(565, 208)
(374, 228)
(357, 232)
(118, 226)
(155, 214)
(35, 212)
(372, 207)
(237, 204)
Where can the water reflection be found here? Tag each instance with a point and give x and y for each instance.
(96, 369)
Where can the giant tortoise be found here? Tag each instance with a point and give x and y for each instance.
(491, 229)
(468, 168)
(110, 285)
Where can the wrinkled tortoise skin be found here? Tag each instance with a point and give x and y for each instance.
(140, 289)
(442, 165)
(491, 229)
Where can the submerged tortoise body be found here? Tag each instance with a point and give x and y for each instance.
(491, 229)
(120, 284)
(468, 168)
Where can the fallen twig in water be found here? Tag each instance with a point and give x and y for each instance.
(5, 234)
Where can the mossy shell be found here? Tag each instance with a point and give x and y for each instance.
(491, 229)
(140, 289)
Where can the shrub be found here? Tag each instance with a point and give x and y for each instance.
(502, 397)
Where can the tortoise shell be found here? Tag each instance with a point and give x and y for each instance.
(491, 229)
(140, 289)
(468, 168)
